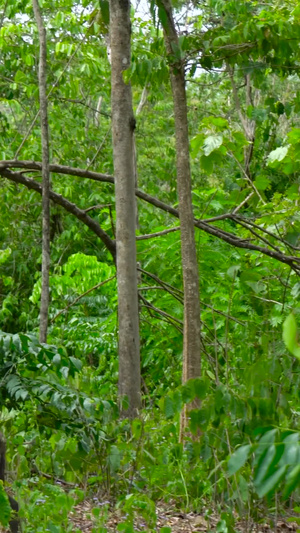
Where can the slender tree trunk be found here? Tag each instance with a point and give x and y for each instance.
(45, 173)
(123, 124)
(192, 324)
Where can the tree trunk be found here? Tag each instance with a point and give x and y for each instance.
(192, 324)
(45, 173)
(123, 124)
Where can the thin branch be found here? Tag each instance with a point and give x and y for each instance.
(67, 205)
(249, 180)
(271, 301)
(249, 228)
(152, 288)
(158, 234)
(98, 206)
(81, 102)
(243, 203)
(142, 101)
(226, 315)
(81, 296)
(203, 225)
(176, 293)
(99, 149)
(216, 218)
(239, 218)
(229, 317)
(175, 322)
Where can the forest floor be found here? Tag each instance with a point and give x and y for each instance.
(178, 522)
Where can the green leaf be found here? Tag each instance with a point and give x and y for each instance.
(211, 143)
(238, 459)
(277, 155)
(207, 164)
(114, 459)
(292, 481)
(290, 336)
(271, 482)
(262, 183)
(76, 362)
(196, 144)
(5, 509)
(265, 463)
(199, 386)
(104, 8)
(169, 407)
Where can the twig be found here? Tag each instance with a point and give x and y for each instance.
(176, 293)
(242, 203)
(99, 149)
(175, 322)
(81, 296)
(97, 206)
(247, 177)
(49, 476)
(72, 101)
(158, 234)
(270, 301)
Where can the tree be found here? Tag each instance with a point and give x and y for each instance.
(123, 125)
(192, 324)
(45, 173)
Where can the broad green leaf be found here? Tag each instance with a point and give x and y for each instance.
(271, 483)
(196, 144)
(294, 135)
(199, 418)
(169, 407)
(114, 459)
(200, 387)
(277, 155)
(261, 182)
(292, 481)
(88, 405)
(233, 270)
(290, 335)
(238, 459)
(265, 463)
(5, 509)
(211, 143)
(207, 164)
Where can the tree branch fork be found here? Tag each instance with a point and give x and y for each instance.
(7, 170)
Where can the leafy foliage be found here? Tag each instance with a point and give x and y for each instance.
(58, 401)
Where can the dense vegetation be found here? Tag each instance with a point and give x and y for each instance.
(239, 457)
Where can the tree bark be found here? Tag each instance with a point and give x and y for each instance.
(192, 324)
(123, 124)
(45, 173)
